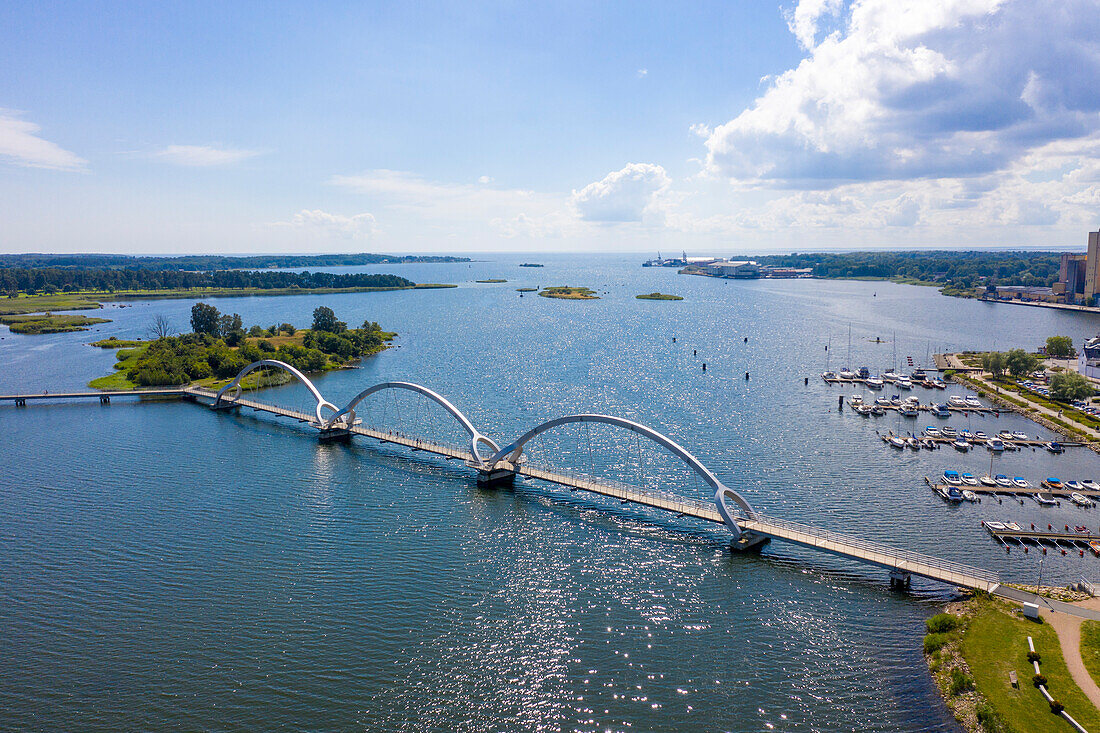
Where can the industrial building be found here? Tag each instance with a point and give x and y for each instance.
(1079, 275)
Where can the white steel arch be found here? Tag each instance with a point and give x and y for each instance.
(235, 385)
(511, 453)
(346, 416)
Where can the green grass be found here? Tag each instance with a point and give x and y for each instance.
(1090, 649)
(492, 280)
(114, 342)
(658, 296)
(40, 323)
(127, 358)
(526, 290)
(42, 303)
(995, 643)
(565, 292)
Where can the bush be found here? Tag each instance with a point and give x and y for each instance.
(949, 374)
(1056, 707)
(941, 623)
(1034, 656)
(265, 346)
(1038, 680)
(989, 719)
(960, 682)
(934, 642)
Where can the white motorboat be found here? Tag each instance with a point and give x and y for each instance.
(928, 443)
(932, 431)
(856, 399)
(956, 401)
(903, 383)
(861, 409)
(1004, 435)
(1090, 484)
(952, 477)
(995, 444)
(987, 480)
(876, 409)
(847, 374)
(1044, 498)
(969, 480)
(913, 443)
(1013, 527)
(1074, 485)
(1002, 480)
(969, 495)
(972, 401)
(961, 445)
(1021, 482)
(994, 526)
(909, 410)
(874, 383)
(890, 376)
(1080, 499)
(828, 376)
(948, 431)
(896, 442)
(978, 434)
(1019, 435)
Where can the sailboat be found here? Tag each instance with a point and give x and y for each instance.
(828, 374)
(847, 373)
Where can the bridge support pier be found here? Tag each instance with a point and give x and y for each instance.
(495, 477)
(21, 402)
(225, 406)
(900, 580)
(342, 435)
(749, 542)
(104, 399)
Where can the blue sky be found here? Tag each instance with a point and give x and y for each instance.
(716, 127)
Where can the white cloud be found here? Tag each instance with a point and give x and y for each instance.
(202, 156)
(909, 89)
(625, 195)
(485, 179)
(360, 226)
(21, 145)
(642, 73)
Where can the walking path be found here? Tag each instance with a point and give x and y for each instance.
(1038, 408)
(1068, 629)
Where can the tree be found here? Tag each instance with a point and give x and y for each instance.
(160, 327)
(204, 319)
(325, 320)
(288, 329)
(1061, 346)
(994, 363)
(1069, 387)
(257, 332)
(1020, 363)
(227, 324)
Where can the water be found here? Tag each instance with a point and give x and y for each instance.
(167, 568)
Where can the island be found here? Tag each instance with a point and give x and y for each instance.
(658, 296)
(219, 347)
(492, 280)
(565, 292)
(526, 290)
(40, 323)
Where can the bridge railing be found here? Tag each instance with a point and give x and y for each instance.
(897, 555)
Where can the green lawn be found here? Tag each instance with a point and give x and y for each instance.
(127, 358)
(994, 644)
(1090, 648)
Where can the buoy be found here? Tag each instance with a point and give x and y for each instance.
(806, 381)
(1050, 528)
(746, 376)
(746, 339)
(704, 367)
(1025, 549)
(1044, 550)
(1063, 552)
(1082, 553)
(1009, 549)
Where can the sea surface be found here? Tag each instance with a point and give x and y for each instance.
(163, 567)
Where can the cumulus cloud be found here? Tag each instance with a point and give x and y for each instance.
(625, 195)
(21, 145)
(907, 89)
(360, 226)
(201, 156)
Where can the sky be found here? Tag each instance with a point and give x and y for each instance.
(712, 127)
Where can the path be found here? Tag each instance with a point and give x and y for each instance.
(1040, 409)
(1068, 628)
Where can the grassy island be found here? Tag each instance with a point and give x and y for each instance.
(492, 280)
(49, 323)
(526, 290)
(658, 296)
(219, 347)
(970, 653)
(565, 292)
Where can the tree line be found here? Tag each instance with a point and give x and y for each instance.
(962, 270)
(212, 262)
(36, 280)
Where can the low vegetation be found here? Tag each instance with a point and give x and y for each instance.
(658, 296)
(114, 342)
(565, 292)
(39, 323)
(492, 280)
(526, 290)
(970, 655)
(219, 347)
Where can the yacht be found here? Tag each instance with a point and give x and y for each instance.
(995, 444)
(1074, 485)
(1002, 480)
(972, 401)
(961, 445)
(956, 401)
(948, 431)
(1090, 484)
(874, 383)
(940, 410)
(994, 526)
(969, 480)
(1019, 435)
(969, 495)
(847, 374)
(932, 431)
(987, 480)
(952, 477)
(903, 383)
(828, 376)
(1054, 447)
(890, 376)
(1080, 499)
(1021, 482)
(1045, 499)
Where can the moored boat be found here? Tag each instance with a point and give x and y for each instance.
(1045, 499)
(1080, 499)
(1021, 482)
(961, 445)
(987, 480)
(995, 444)
(952, 477)
(969, 480)
(1002, 480)
(969, 495)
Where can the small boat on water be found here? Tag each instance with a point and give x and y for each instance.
(862, 409)
(896, 442)
(874, 383)
(863, 372)
(1019, 435)
(912, 442)
(952, 478)
(903, 383)
(877, 409)
(1052, 483)
(969, 495)
(940, 410)
(1004, 435)
(961, 445)
(939, 384)
(847, 374)
(994, 526)
(1013, 527)
(1021, 482)
(948, 431)
(956, 401)
(828, 376)
(1080, 499)
(928, 443)
(1045, 499)
(1095, 547)
(1002, 480)
(987, 480)
(969, 480)
(1074, 485)
(890, 376)
(919, 375)
(980, 435)
(932, 431)
(1054, 447)
(856, 399)
(1090, 484)
(972, 401)
(953, 494)
(995, 444)
(882, 401)
(909, 410)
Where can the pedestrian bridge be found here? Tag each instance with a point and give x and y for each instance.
(495, 465)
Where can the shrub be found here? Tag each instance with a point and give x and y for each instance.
(941, 623)
(1056, 707)
(1038, 680)
(934, 642)
(1034, 656)
(989, 719)
(265, 346)
(960, 682)
(949, 374)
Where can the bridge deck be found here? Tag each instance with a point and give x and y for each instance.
(97, 394)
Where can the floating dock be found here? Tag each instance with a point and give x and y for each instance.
(1062, 493)
(973, 442)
